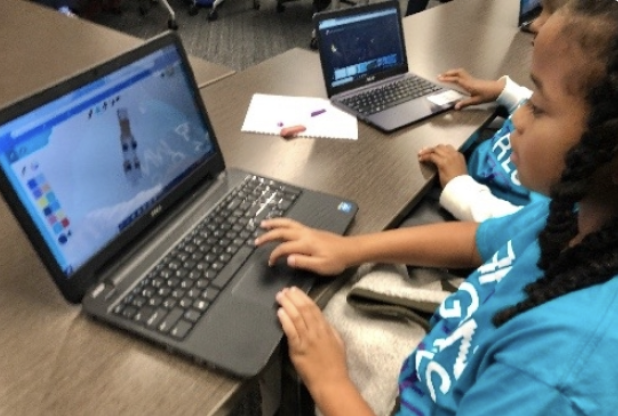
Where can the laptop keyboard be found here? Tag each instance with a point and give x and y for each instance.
(177, 292)
(390, 95)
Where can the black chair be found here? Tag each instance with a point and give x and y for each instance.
(318, 6)
(144, 7)
(213, 4)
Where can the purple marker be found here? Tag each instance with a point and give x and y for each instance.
(317, 112)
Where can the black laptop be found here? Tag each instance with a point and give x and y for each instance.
(116, 176)
(365, 68)
(528, 11)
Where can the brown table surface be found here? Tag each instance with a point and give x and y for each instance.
(57, 362)
(379, 171)
(40, 46)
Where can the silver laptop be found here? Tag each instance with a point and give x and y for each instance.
(365, 68)
(116, 176)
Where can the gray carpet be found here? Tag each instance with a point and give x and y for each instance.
(239, 38)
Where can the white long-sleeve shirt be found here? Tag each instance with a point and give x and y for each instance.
(464, 197)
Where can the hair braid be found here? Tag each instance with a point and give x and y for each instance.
(595, 259)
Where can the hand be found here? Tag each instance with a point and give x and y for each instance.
(480, 90)
(306, 248)
(450, 162)
(315, 348)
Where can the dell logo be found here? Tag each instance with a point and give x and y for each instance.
(156, 211)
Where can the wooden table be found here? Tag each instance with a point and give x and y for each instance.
(379, 171)
(54, 360)
(40, 46)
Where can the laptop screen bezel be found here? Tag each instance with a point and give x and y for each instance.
(526, 17)
(74, 287)
(351, 11)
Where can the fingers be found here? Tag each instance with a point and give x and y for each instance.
(435, 154)
(300, 256)
(459, 77)
(452, 75)
(292, 243)
(304, 248)
(314, 264)
(287, 324)
(279, 223)
(290, 317)
(291, 249)
(465, 102)
(298, 314)
(279, 229)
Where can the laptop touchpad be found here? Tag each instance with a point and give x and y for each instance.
(260, 282)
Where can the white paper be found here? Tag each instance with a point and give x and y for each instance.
(268, 114)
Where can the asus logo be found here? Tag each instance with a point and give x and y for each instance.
(156, 211)
(370, 79)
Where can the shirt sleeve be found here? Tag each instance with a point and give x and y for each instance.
(469, 200)
(495, 232)
(512, 94)
(507, 391)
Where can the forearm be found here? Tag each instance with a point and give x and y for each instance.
(342, 400)
(469, 200)
(451, 244)
(512, 94)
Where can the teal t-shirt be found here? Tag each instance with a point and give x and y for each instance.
(556, 359)
(490, 164)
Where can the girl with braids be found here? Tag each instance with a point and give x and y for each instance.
(486, 185)
(533, 330)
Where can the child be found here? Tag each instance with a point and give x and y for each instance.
(532, 331)
(549, 7)
(488, 185)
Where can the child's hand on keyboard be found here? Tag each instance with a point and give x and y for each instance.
(306, 248)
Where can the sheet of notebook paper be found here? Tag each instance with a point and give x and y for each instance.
(268, 114)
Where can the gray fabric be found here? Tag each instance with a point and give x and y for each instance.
(378, 342)
(388, 290)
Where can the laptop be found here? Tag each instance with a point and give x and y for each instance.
(528, 11)
(117, 178)
(362, 53)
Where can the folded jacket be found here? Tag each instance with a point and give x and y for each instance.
(396, 291)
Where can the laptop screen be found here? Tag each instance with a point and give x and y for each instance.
(92, 162)
(359, 43)
(528, 9)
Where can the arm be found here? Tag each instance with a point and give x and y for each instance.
(512, 94)
(449, 162)
(343, 399)
(462, 196)
(449, 244)
(503, 90)
(318, 354)
(469, 200)
(480, 90)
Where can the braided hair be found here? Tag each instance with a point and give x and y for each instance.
(593, 24)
